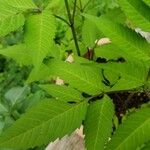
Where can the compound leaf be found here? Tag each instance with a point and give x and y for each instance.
(124, 38)
(98, 123)
(20, 4)
(65, 93)
(89, 33)
(137, 12)
(83, 78)
(11, 23)
(43, 123)
(133, 133)
(39, 33)
(10, 14)
(128, 75)
(19, 53)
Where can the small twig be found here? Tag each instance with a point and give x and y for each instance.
(95, 96)
(62, 19)
(81, 8)
(74, 11)
(71, 21)
(68, 11)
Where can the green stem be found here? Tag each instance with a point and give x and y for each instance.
(58, 17)
(71, 21)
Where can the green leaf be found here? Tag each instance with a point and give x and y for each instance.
(45, 122)
(32, 100)
(16, 94)
(10, 14)
(20, 4)
(2, 124)
(112, 52)
(64, 93)
(39, 33)
(6, 10)
(146, 146)
(19, 53)
(56, 51)
(124, 38)
(43, 74)
(134, 132)
(83, 78)
(57, 4)
(137, 12)
(89, 33)
(11, 23)
(147, 2)
(109, 51)
(3, 109)
(116, 15)
(98, 123)
(128, 75)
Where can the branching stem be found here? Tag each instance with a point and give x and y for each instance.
(71, 22)
(62, 19)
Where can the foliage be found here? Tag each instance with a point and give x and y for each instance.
(137, 131)
(41, 120)
(99, 119)
(70, 56)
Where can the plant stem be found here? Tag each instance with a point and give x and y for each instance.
(62, 19)
(74, 11)
(81, 8)
(71, 21)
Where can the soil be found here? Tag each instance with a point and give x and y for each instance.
(127, 100)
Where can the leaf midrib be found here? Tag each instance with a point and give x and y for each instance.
(86, 81)
(138, 12)
(64, 93)
(49, 120)
(40, 38)
(102, 107)
(124, 74)
(122, 39)
(136, 130)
